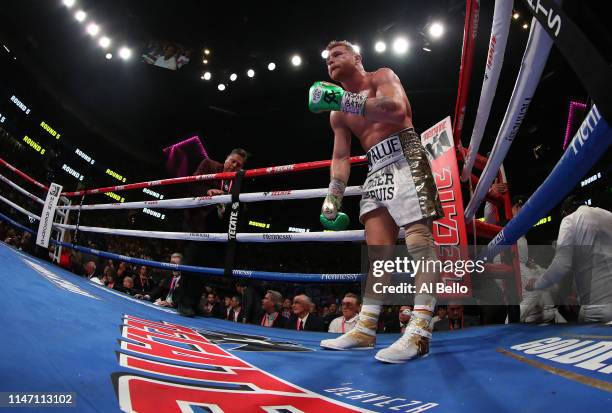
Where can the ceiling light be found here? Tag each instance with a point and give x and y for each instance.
(250, 73)
(271, 66)
(109, 56)
(221, 87)
(296, 60)
(205, 61)
(436, 30)
(80, 16)
(427, 49)
(104, 42)
(206, 51)
(380, 46)
(324, 54)
(93, 29)
(206, 76)
(233, 77)
(515, 16)
(525, 26)
(400, 45)
(125, 53)
(68, 3)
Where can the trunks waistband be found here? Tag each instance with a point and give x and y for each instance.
(387, 151)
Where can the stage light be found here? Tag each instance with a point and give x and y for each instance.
(205, 61)
(325, 54)
(93, 29)
(380, 46)
(271, 66)
(357, 49)
(233, 77)
(125, 53)
(296, 60)
(104, 42)
(221, 87)
(109, 56)
(80, 16)
(68, 3)
(250, 73)
(436, 30)
(515, 16)
(426, 49)
(525, 26)
(400, 45)
(206, 51)
(206, 76)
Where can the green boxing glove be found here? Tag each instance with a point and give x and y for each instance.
(339, 224)
(325, 97)
(331, 217)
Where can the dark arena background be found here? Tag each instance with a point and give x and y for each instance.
(161, 183)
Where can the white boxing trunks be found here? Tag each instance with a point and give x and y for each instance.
(400, 179)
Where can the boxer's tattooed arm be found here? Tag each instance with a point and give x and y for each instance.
(386, 104)
(385, 109)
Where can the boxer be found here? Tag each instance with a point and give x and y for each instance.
(399, 190)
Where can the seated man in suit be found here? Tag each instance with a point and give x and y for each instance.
(162, 293)
(270, 315)
(456, 320)
(142, 282)
(351, 305)
(209, 307)
(302, 319)
(236, 312)
(399, 324)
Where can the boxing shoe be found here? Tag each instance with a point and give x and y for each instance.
(353, 340)
(412, 344)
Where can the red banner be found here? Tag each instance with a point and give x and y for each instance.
(449, 232)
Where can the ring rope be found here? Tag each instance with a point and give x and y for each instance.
(278, 237)
(23, 175)
(21, 190)
(254, 275)
(194, 202)
(249, 173)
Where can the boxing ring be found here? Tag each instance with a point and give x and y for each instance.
(65, 334)
(113, 352)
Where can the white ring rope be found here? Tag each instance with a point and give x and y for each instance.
(194, 202)
(277, 237)
(21, 190)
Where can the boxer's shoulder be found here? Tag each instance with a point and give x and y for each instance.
(384, 75)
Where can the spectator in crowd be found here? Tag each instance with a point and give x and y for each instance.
(162, 294)
(456, 319)
(270, 305)
(332, 314)
(89, 270)
(399, 323)
(250, 301)
(227, 307)
(127, 286)
(440, 314)
(205, 219)
(351, 305)
(286, 308)
(209, 307)
(236, 314)
(302, 319)
(26, 244)
(122, 271)
(142, 282)
(108, 279)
